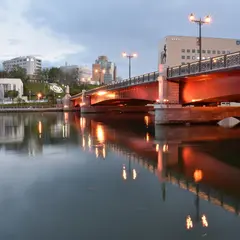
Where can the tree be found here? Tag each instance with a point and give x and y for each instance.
(3, 74)
(43, 75)
(18, 72)
(11, 94)
(54, 74)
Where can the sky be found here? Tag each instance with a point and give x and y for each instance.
(77, 31)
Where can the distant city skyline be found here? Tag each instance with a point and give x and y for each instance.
(137, 26)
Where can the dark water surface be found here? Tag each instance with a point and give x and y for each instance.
(68, 177)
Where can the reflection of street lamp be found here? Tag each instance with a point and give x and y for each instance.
(100, 71)
(129, 56)
(197, 175)
(200, 22)
(132, 173)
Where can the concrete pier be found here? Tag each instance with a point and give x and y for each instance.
(176, 114)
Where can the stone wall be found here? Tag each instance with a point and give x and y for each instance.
(172, 115)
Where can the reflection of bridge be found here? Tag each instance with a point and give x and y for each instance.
(164, 160)
(217, 81)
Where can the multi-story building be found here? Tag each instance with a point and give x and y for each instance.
(177, 50)
(30, 63)
(75, 73)
(103, 70)
(85, 74)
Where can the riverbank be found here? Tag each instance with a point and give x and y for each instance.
(52, 109)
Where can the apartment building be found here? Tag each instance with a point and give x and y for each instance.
(103, 70)
(30, 63)
(177, 50)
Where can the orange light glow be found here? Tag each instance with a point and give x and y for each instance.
(189, 222)
(111, 95)
(100, 134)
(204, 221)
(157, 147)
(82, 123)
(101, 93)
(40, 127)
(198, 175)
(165, 148)
(147, 137)
(146, 120)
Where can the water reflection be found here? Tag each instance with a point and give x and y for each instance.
(171, 158)
(178, 176)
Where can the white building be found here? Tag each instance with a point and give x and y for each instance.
(30, 63)
(177, 50)
(7, 84)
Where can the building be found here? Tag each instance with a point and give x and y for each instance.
(177, 50)
(8, 84)
(104, 71)
(30, 63)
(85, 74)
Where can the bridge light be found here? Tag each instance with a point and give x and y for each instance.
(191, 17)
(198, 175)
(134, 55)
(101, 93)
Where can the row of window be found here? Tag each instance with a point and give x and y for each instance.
(205, 51)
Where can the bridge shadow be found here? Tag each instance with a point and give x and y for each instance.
(177, 155)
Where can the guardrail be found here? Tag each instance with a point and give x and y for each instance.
(230, 60)
(149, 77)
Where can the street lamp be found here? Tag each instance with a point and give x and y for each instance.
(200, 22)
(129, 56)
(100, 71)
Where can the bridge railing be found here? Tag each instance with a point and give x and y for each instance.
(148, 77)
(212, 64)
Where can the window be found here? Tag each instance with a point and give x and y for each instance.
(223, 52)
(193, 50)
(183, 63)
(183, 57)
(14, 87)
(203, 51)
(183, 50)
(214, 52)
(209, 51)
(218, 52)
(188, 50)
(198, 51)
(188, 57)
(193, 58)
(228, 52)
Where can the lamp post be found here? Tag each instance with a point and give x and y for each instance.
(200, 22)
(129, 56)
(100, 71)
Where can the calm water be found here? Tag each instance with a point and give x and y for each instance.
(63, 176)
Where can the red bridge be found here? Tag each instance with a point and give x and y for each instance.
(217, 81)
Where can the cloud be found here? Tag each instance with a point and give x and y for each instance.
(20, 37)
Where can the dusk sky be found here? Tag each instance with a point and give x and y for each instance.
(78, 31)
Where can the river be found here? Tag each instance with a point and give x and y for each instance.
(118, 177)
